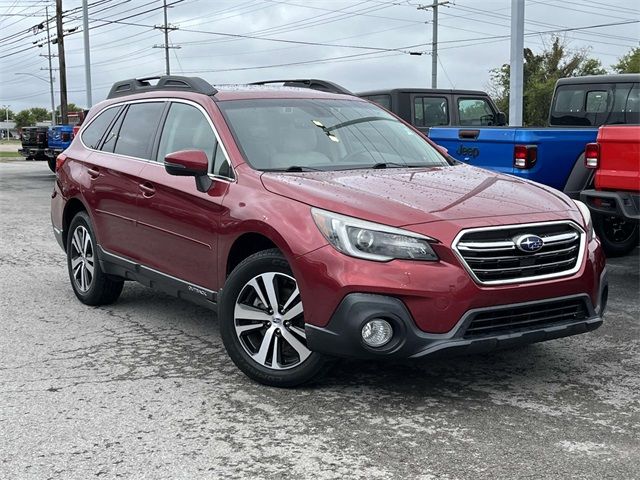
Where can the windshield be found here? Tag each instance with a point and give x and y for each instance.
(312, 134)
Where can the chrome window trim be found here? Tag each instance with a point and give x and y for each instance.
(162, 100)
(566, 273)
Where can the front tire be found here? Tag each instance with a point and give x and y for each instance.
(90, 284)
(262, 323)
(618, 236)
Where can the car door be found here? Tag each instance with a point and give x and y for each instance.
(179, 224)
(113, 171)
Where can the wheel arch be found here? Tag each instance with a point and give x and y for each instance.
(71, 209)
(246, 245)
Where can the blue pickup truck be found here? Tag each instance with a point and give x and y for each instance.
(58, 139)
(550, 155)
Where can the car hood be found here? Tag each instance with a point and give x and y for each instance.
(407, 196)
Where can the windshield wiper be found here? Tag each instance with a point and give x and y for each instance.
(293, 168)
(394, 164)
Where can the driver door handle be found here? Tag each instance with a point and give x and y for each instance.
(147, 189)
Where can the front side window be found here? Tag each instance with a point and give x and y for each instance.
(137, 129)
(186, 128)
(430, 111)
(94, 132)
(475, 112)
(313, 134)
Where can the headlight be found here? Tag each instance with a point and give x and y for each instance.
(586, 216)
(372, 241)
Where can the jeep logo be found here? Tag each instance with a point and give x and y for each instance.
(472, 152)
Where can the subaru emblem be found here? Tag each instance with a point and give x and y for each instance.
(529, 243)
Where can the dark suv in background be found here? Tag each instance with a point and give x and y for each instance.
(318, 225)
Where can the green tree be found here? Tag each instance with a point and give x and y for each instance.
(24, 118)
(541, 71)
(629, 62)
(3, 114)
(71, 107)
(40, 114)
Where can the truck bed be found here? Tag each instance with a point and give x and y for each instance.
(558, 149)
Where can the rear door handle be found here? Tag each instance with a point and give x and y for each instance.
(147, 189)
(468, 134)
(93, 173)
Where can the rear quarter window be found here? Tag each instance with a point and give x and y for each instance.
(94, 132)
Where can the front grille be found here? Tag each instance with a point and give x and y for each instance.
(527, 317)
(491, 254)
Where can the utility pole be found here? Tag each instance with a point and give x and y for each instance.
(166, 27)
(516, 75)
(434, 40)
(87, 52)
(53, 102)
(64, 117)
(6, 110)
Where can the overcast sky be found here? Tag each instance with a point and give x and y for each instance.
(468, 47)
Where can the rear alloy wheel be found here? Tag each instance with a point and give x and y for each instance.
(262, 323)
(90, 284)
(618, 235)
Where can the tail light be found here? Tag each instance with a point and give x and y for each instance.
(591, 155)
(525, 156)
(60, 159)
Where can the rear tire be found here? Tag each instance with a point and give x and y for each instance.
(618, 236)
(52, 164)
(262, 323)
(90, 284)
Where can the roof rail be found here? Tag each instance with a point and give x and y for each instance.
(314, 84)
(167, 82)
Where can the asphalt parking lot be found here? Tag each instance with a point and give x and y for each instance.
(143, 389)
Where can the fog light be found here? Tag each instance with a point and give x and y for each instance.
(377, 332)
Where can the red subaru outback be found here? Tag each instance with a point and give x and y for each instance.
(318, 225)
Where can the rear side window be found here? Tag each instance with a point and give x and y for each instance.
(138, 128)
(430, 111)
(382, 100)
(94, 132)
(475, 112)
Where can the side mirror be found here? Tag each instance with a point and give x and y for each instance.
(501, 119)
(190, 163)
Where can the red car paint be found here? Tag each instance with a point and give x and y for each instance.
(189, 235)
(619, 158)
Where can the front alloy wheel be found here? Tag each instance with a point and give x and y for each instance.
(262, 323)
(269, 321)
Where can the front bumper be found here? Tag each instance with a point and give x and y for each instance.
(342, 336)
(619, 204)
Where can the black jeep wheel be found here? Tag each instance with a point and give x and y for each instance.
(618, 235)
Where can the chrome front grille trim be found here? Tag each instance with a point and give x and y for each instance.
(459, 248)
